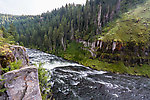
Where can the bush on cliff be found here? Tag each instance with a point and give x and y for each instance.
(45, 86)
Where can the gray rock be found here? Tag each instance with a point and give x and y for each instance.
(3, 96)
(23, 84)
(19, 53)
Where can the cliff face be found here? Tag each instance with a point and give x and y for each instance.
(131, 53)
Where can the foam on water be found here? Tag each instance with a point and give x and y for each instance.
(72, 81)
(53, 65)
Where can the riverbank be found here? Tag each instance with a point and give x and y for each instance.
(71, 81)
(75, 53)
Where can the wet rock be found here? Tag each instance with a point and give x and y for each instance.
(23, 84)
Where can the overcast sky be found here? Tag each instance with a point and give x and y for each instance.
(32, 7)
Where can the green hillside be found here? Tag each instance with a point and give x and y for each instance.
(131, 36)
(111, 35)
(132, 26)
(53, 31)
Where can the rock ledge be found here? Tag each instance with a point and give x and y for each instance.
(23, 84)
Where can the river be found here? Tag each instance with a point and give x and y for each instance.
(71, 81)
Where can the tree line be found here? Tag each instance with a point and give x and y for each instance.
(53, 31)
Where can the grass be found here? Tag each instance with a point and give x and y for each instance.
(118, 67)
(76, 54)
(131, 26)
(142, 10)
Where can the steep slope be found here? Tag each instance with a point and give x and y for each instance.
(110, 35)
(130, 33)
(133, 24)
(53, 31)
(123, 46)
(124, 42)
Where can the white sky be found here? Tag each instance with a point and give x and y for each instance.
(32, 7)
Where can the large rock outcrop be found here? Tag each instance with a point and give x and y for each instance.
(19, 53)
(22, 84)
(11, 53)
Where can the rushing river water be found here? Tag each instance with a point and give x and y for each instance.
(71, 81)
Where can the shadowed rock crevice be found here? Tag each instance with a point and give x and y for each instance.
(24, 91)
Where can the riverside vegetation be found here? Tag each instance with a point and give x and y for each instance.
(4, 49)
(45, 86)
(110, 35)
(10, 64)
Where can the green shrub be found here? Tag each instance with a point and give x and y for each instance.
(45, 86)
(13, 66)
(2, 89)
